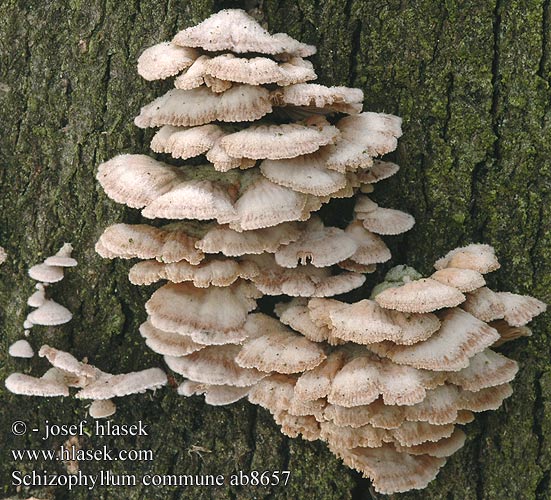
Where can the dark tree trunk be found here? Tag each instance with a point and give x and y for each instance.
(472, 82)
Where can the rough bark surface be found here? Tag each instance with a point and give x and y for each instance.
(472, 82)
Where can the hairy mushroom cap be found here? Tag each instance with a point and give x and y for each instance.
(349, 437)
(420, 296)
(168, 343)
(295, 425)
(465, 280)
(316, 383)
(260, 70)
(478, 257)
(222, 239)
(306, 281)
(164, 60)
(37, 298)
(181, 306)
(275, 142)
(318, 245)
(490, 398)
(195, 199)
(50, 313)
(62, 258)
(440, 407)
(19, 383)
(215, 365)
(305, 174)
(371, 248)
(520, 309)
(265, 204)
(236, 31)
(21, 349)
(297, 315)
(339, 99)
(137, 180)
(110, 386)
(46, 273)
(214, 272)
(198, 106)
(215, 395)
(185, 143)
(486, 369)
(442, 448)
(102, 408)
(386, 221)
(460, 337)
(390, 470)
(274, 392)
(485, 304)
(364, 378)
(379, 171)
(277, 349)
(68, 363)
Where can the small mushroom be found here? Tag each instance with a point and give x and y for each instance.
(102, 408)
(50, 313)
(21, 349)
(62, 258)
(19, 383)
(46, 273)
(164, 60)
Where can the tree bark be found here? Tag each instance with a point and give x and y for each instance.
(472, 83)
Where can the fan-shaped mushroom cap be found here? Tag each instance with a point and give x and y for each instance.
(321, 309)
(260, 70)
(37, 298)
(278, 349)
(21, 349)
(234, 244)
(50, 313)
(370, 134)
(305, 174)
(198, 106)
(19, 383)
(490, 398)
(223, 162)
(137, 180)
(171, 243)
(110, 386)
(386, 221)
(201, 200)
(354, 267)
(274, 392)
(235, 30)
(520, 309)
(275, 142)
(442, 448)
(460, 337)
(339, 99)
(168, 343)
(486, 369)
(215, 395)
(319, 245)
(294, 425)
(306, 281)
(214, 272)
(420, 296)
(102, 408)
(379, 171)
(67, 362)
(316, 383)
(364, 378)
(414, 433)
(194, 76)
(297, 315)
(265, 204)
(390, 470)
(62, 258)
(215, 365)
(376, 414)
(45, 273)
(185, 142)
(507, 332)
(465, 280)
(478, 257)
(181, 306)
(371, 248)
(163, 60)
(349, 437)
(440, 407)
(485, 304)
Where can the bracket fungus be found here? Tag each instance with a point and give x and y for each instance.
(384, 381)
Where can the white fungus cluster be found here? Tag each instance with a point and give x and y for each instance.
(384, 381)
